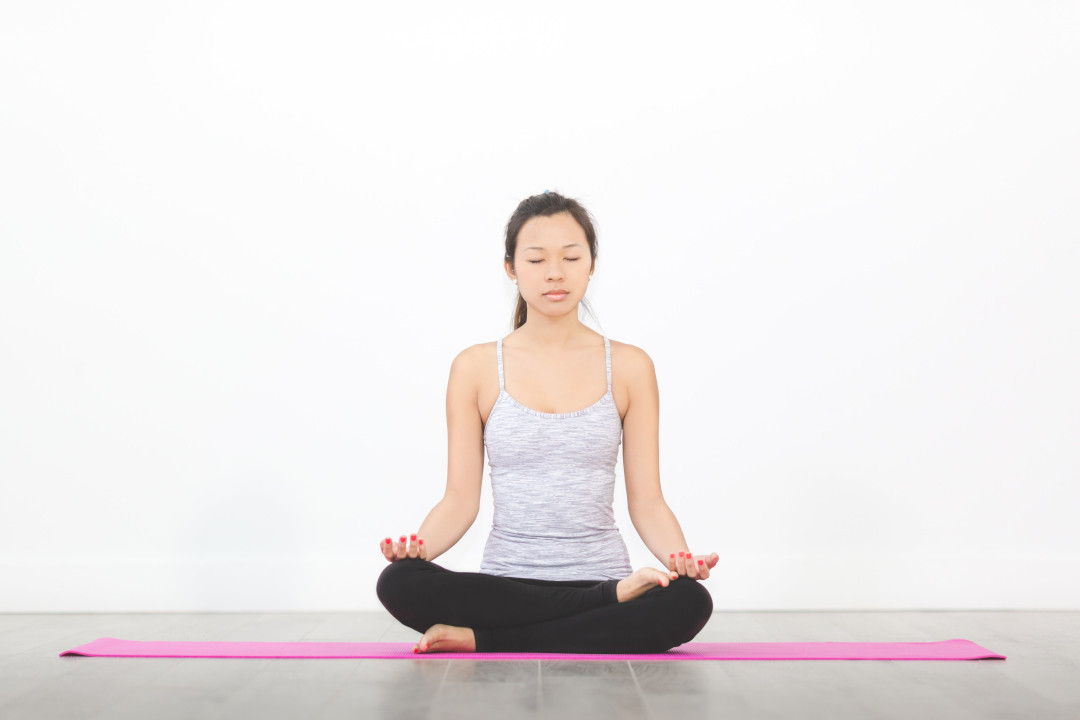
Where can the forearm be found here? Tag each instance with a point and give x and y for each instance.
(658, 528)
(447, 522)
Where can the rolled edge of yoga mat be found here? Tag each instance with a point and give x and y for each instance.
(956, 649)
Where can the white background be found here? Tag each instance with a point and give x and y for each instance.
(240, 244)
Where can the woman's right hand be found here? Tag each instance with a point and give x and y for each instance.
(410, 547)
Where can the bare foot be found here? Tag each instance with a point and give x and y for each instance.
(446, 638)
(635, 585)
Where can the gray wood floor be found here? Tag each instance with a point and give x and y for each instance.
(1040, 679)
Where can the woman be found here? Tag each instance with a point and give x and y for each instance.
(555, 575)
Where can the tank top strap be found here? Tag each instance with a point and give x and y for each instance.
(607, 362)
(498, 351)
(607, 358)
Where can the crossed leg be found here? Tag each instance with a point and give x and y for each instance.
(525, 614)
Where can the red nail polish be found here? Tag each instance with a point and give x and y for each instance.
(421, 542)
(413, 538)
(402, 539)
(681, 554)
(388, 541)
(672, 554)
(700, 562)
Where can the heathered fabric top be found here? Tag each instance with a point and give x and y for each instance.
(553, 483)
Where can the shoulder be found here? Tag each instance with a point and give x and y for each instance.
(634, 365)
(472, 358)
(466, 373)
(474, 364)
(631, 357)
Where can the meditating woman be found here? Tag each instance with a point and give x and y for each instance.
(555, 574)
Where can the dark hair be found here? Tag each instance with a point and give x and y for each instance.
(547, 203)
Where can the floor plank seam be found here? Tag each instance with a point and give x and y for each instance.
(437, 699)
(641, 695)
(540, 711)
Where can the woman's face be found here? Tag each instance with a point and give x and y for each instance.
(552, 254)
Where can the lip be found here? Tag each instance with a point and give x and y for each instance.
(555, 295)
(555, 292)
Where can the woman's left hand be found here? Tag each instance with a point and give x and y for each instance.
(692, 566)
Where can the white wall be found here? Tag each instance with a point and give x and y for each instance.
(242, 242)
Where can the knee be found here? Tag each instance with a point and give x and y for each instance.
(396, 580)
(695, 607)
(697, 601)
(682, 610)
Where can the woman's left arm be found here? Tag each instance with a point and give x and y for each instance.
(652, 518)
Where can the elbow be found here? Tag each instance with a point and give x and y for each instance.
(471, 506)
(639, 507)
(467, 507)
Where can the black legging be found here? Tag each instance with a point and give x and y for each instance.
(523, 614)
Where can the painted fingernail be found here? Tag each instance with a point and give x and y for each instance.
(413, 538)
(700, 562)
(672, 554)
(387, 541)
(421, 542)
(681, 554)
(402, 539)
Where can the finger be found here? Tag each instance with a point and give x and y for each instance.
(702, 569)
(422, 549)
(712, 560)
(671, 563)
(413, 552)
(680, 563)
(662, 579)
(691, 566)
(400, 549)
(387, 548)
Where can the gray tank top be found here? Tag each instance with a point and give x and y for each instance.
(553, 483)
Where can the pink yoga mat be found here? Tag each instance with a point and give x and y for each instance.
(944, 650)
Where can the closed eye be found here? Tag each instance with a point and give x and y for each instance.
(538, 261)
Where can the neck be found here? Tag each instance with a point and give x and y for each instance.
(554, 334)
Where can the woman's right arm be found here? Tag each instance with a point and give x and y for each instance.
(452, 516)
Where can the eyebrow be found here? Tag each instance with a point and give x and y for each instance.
(533, 247)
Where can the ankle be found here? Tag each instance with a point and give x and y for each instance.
(610, 592)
